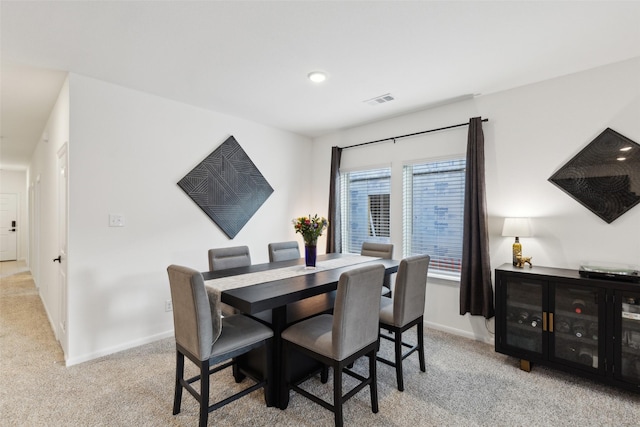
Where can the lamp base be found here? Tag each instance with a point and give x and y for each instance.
(517, 251)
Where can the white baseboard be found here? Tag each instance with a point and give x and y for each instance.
(167, 334)
(460, 332)
(46, 311)
(115, 349)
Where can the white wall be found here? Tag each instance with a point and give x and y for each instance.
(15, 182)
(532, 131)
(127, 152)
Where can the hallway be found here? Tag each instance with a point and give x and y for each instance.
(9, 268)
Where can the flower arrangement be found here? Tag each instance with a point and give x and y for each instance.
(310, 228)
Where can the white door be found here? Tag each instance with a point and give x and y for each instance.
(62, 247)
(8, 227)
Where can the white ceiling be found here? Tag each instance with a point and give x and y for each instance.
(250, 58)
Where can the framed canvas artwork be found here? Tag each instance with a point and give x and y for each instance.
(604, 176)
(227, 186)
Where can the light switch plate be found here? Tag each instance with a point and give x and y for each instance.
(116, 220)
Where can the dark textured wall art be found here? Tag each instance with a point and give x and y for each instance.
(227, 186)
(605, 176)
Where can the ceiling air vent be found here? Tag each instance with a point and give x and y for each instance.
(380, 99)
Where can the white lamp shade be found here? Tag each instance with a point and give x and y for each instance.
(516, 227)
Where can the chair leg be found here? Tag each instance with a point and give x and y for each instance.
(237, 375)
(324, 374)
(398, 348)
(373, 387)
(423, 367)
(204, 393)
(177, 398)
(337, 394)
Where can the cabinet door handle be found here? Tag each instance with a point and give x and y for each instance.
(544, 321)
(551, 322)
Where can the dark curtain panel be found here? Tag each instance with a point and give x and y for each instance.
(333, 232)
(476, 291)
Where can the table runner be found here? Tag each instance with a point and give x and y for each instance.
(215, 287)
(232, 282)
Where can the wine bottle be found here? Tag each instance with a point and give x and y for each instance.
(579, 328)
(517, 250)
(567, 352)
(585, 356)
(578, 306)
(563, 326)
(536, 321)
(593, 331)
(523, 315)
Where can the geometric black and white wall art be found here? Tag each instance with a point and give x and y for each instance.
(227, 186)
(604, 177)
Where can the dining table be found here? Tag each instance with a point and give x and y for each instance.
(280, 294)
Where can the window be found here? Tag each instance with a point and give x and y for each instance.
(433, 213)
(379, 215)
(365, 203)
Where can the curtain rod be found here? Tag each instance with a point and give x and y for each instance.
(393, 138)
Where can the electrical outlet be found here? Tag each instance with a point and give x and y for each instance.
(168, 305)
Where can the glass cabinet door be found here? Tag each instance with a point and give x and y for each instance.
(629, 319)
(524, 322)
(575, 328)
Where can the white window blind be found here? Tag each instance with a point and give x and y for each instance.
(365, 205)
(433, 210)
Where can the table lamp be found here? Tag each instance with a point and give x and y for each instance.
(516, 227)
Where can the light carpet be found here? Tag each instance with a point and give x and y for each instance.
(466, 384)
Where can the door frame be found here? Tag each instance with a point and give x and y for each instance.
(61, 323)
(16, 228)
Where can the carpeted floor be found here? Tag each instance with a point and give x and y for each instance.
(466, 384)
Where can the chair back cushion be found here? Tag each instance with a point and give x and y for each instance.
(232, 257)
(195, 328)
(409, 292)
(356, 311)
(380, 250)
(283, 251)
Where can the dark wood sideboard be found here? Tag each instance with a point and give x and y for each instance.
(585, 326)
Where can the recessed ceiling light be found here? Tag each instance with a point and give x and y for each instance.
(621, 159)
(317, 76)
(625, 149)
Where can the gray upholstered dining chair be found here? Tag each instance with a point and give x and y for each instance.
(225, 258)
(231, 257)
(404, 310)
(338, 340)
(380, 250)
(283, 251)
(209, 340)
